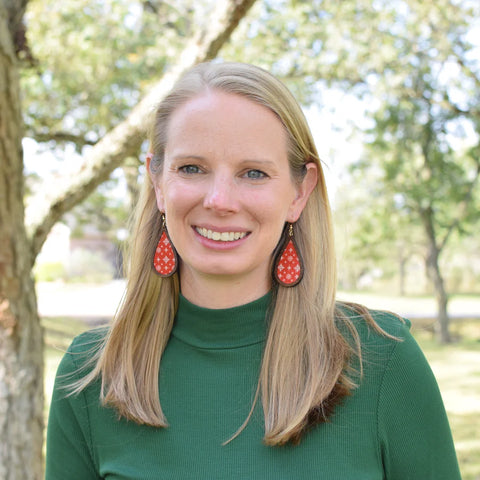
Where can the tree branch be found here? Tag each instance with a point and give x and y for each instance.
(126, 138)
(461, 61)
(61, 137)
(16, 10)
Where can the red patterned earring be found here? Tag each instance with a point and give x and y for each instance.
(165, 259)
(288, 266)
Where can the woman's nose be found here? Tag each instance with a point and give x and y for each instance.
(221, 195)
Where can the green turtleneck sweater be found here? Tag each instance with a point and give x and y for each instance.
(393, 427)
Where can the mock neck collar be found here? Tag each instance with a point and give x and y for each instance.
(221, 328)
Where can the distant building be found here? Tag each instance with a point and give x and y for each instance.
(81, 256)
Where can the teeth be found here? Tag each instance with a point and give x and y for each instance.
(221, 236)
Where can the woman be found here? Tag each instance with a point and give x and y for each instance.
(229, 357)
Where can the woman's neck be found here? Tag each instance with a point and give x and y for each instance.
(215, 291)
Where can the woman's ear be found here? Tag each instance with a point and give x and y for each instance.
(155, 179)
(304, 189)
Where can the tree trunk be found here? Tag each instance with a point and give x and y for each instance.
(435, 275)
(443, 321)
(21, 342)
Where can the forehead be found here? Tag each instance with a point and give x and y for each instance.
(217, 101)
(219, 117)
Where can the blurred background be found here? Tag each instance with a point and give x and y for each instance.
(391, 90)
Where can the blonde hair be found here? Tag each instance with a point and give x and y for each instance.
(305, 367)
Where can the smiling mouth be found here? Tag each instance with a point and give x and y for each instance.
(220, 236)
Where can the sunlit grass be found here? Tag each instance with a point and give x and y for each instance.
(59, 333)
(457, 369)
(456, 366)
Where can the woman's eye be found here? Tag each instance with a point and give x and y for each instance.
(255, 174)
(189, 169)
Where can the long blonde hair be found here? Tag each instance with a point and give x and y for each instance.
(305, 367)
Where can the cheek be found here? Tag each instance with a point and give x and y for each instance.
(179, 199)
(273, 207)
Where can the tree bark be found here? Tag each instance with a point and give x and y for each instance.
(21, 342)
(433, 271)
(126, 138)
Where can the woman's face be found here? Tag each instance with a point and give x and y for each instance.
(226, 187)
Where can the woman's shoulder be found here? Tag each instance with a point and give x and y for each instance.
(372, 326)
(88, 340)
(383, 343)
(83, 348)
(391, 323)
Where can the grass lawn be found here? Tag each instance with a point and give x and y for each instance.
(59, 333)
(456, 366)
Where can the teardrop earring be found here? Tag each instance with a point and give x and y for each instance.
(165, 260)
(288, 266)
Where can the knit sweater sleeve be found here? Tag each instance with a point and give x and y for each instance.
(413, 429)
(69, 446)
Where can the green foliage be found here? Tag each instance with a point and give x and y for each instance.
(419, 139)
(421, 164)
(105, 210)
(95, 60)
(320, 43)
(49, 271)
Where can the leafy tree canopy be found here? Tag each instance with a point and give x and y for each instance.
(94, 60)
